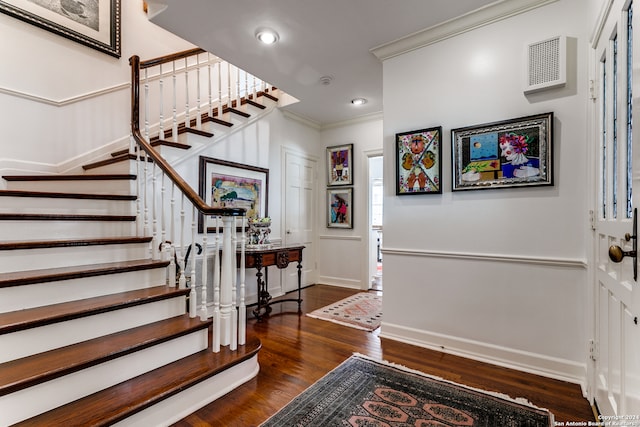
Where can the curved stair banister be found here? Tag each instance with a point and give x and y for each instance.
(229, 327)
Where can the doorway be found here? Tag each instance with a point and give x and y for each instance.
(615, 343)
(375, 221)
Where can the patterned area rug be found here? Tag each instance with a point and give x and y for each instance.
(365, 393)
(361, 311)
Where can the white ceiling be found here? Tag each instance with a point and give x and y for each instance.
(317, 38)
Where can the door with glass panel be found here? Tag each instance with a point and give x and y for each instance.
(615, 348)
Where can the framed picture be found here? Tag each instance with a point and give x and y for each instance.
(340, 165)
(228, 184)
(93, 23)
(509, 153)
(419, 161)
(340, 207)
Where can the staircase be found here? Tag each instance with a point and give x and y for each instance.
(92, 331)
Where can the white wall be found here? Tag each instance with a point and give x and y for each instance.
(498, 274)
(49, 111)
(343, 253)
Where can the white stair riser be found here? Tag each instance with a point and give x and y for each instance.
(177, 407)
(47, 230)
(54, 205)
(43, 397)
(123, 186)
(30, 296)
(67, 256)
(36, 340)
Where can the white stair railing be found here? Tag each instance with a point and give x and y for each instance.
(158, 184)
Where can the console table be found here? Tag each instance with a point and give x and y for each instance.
(260, 258)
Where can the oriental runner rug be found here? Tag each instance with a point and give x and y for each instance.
(360, 311)
(362, 392)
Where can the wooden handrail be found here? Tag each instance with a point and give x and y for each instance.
(170, 58)
(182, 185)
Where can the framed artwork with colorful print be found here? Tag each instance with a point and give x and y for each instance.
(340, 165)
(509, 153)
(419, 161)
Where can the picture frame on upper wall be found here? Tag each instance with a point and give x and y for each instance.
(225, 184)
(93, 23)
(340, 165)
(340, 207)
(419, 161)
(510, 153)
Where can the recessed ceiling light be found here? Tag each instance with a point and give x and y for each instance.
(359, 101)
(267, 35)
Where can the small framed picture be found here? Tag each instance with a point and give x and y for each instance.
(340, 165)
(340, 207)
(419, 161)
(510, 153)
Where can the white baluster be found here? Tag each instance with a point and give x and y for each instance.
(238, 95)
(172, 233)
(174, 128)
(161, 84)
(138, 191)
(198, 99)
(163, 220)
(234, 278)
(229, 85)
(187, 119)
(203, 309)
(219, 88)
(217, 331)
(210, 87)
(182, 282)
(146, 104)
(155, 244)
(193, 300)
(242, 309)
(225, 280)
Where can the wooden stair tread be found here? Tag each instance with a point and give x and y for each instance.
(102, 177)
(114, 159)
(162, 142)
(27, 244)
(47, 194)
(45, 315)
(63, 217)
(18, 278)
(116, 403)
(28, 371)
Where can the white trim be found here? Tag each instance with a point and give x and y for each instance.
(538, 364)
(486, 15)
(551, 262)
(341, 282)
(67, 101)
(331, 237)
(378, 115)
(301, 119)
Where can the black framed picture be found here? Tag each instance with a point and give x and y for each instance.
(419, 161)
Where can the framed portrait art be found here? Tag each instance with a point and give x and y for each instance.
(509, 153)
(225, 184)
(340, 165)
(419, 161)
(93, 23)
(340, 207)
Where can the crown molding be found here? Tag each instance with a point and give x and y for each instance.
(360, 119)
(486, 15)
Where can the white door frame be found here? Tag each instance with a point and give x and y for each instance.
(366, 283)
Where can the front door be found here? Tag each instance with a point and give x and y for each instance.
(615, 348)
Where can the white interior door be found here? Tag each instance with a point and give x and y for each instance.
(300, 215)
(616, 294)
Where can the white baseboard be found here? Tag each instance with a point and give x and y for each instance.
(538, 364)
(340, 281)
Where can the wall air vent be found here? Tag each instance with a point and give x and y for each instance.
(546, 64)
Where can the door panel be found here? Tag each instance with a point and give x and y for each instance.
(300, 215)
(616, 337)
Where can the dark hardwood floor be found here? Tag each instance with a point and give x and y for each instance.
(298, 350)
